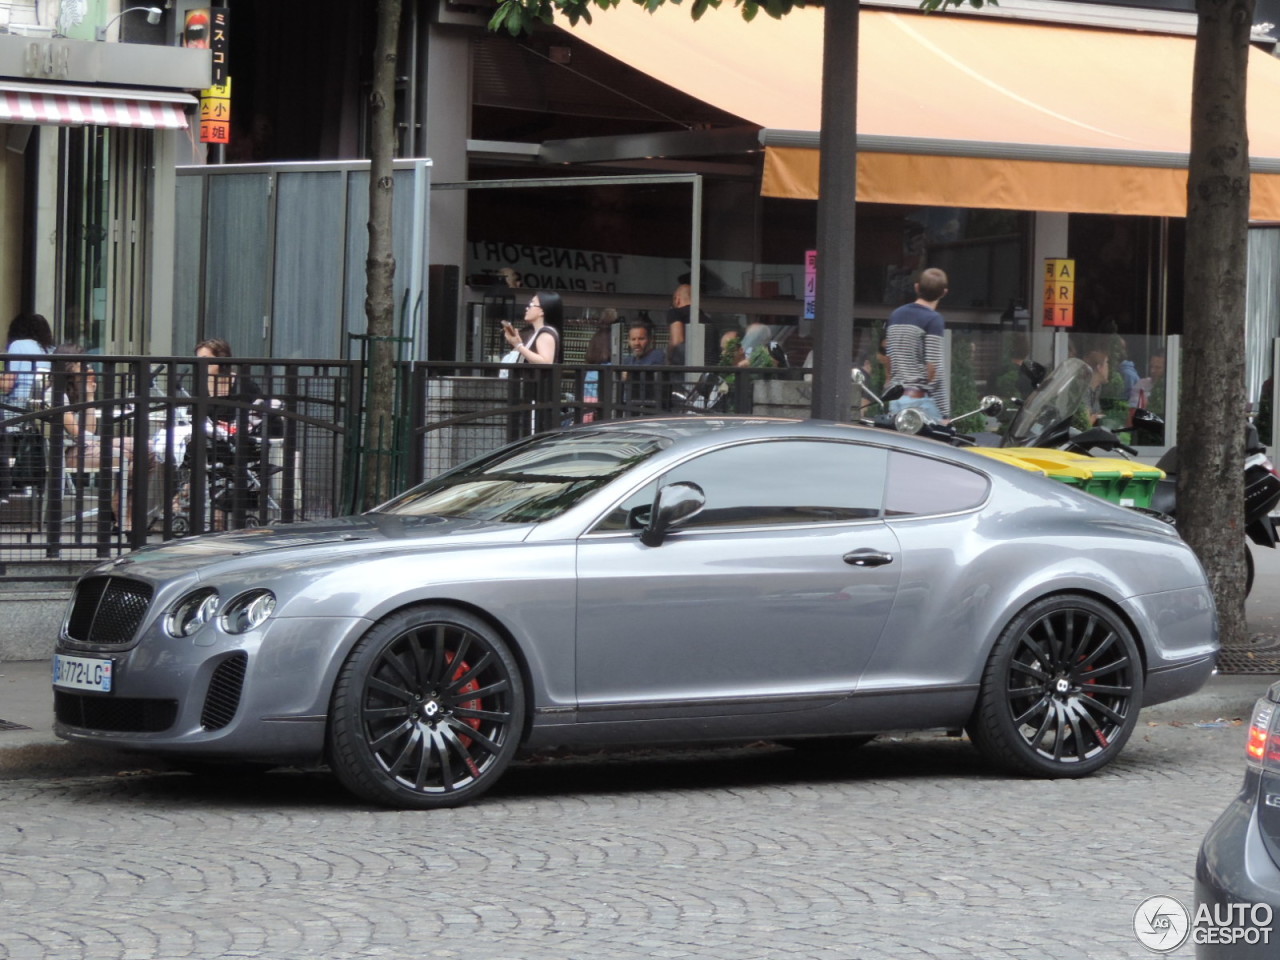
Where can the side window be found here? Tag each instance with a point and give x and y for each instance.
(919, 486)
(632, 513)
(775, 482)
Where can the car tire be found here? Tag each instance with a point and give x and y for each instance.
(1061, 690)
(408, 729)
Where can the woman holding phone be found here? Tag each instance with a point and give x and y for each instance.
(545, 314)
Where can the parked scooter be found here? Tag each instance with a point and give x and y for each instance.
(1045, 421)
(913, 420)
(1261, 494)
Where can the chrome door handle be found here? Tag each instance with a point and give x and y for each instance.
(868, 558)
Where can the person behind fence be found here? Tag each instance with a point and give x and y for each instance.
(232, 397)
(599, 352)
(545, 317)
(233, 392)
(914, 335)
(84, 458)
(642, 387)
(643, 352)
(678, 320)
(29, 336)
(1100, 362)
(541, 344)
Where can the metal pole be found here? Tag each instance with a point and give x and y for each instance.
(837, 192)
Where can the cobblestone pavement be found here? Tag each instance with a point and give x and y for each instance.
(909, 848)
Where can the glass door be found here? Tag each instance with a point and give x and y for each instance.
(103, 228)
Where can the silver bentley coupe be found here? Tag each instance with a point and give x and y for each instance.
(647, 581)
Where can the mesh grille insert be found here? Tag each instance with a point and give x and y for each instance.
(119, 714)
(108, 610)
(223, 699)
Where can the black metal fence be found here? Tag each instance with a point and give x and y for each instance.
(110, 453)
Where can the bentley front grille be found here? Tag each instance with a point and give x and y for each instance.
(108, 610)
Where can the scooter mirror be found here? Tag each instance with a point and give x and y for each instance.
(1035, 371)
(910, 420)
(857, 376)
(1145, 418)
(893, 393)
(992, 406)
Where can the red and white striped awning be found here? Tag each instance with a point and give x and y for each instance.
(105, 107)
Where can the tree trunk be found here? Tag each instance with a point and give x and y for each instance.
(1211, 415)
(837, 190)
(380, 266)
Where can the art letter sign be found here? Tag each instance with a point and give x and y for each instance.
(1059, 293)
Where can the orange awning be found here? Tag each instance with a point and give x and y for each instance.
(959, 109)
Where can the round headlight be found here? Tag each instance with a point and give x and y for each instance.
(909, 420)
(248, 611)
(191, 613)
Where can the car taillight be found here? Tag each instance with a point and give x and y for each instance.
(1263, 748)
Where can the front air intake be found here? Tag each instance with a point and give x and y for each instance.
(223, 699)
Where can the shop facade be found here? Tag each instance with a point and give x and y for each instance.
(92, 131)
(614, 167)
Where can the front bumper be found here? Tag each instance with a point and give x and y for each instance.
(261, 696)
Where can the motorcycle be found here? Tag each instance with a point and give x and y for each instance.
(1045, 418)
(913, 420)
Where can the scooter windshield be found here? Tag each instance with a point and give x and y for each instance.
(1051, 405)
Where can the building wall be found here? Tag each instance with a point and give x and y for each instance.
(11, 221)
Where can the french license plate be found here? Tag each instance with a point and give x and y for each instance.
(82, 673)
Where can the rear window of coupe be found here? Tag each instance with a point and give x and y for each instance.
(921, 486)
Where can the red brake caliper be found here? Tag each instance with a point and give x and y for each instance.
(472, 722)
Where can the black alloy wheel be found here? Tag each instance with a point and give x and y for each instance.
(427, 711)
(1062, 689)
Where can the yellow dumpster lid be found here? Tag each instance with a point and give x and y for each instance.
(1006, 457)
(1057, 463)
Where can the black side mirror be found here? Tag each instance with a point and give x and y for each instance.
(674, 504)
(1035, 372)
(893, 393)
(1145, 418)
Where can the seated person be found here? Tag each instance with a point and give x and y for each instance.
(81, 426)
(237, 392)
(643, 352)
(643, 388)
(231, 397)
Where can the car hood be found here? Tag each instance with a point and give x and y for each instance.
(328, 540)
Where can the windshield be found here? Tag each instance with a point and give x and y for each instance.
(535, 480)
(1050, 405)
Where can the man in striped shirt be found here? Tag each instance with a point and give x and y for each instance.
(914, 340)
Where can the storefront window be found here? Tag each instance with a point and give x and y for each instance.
(983, 251)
